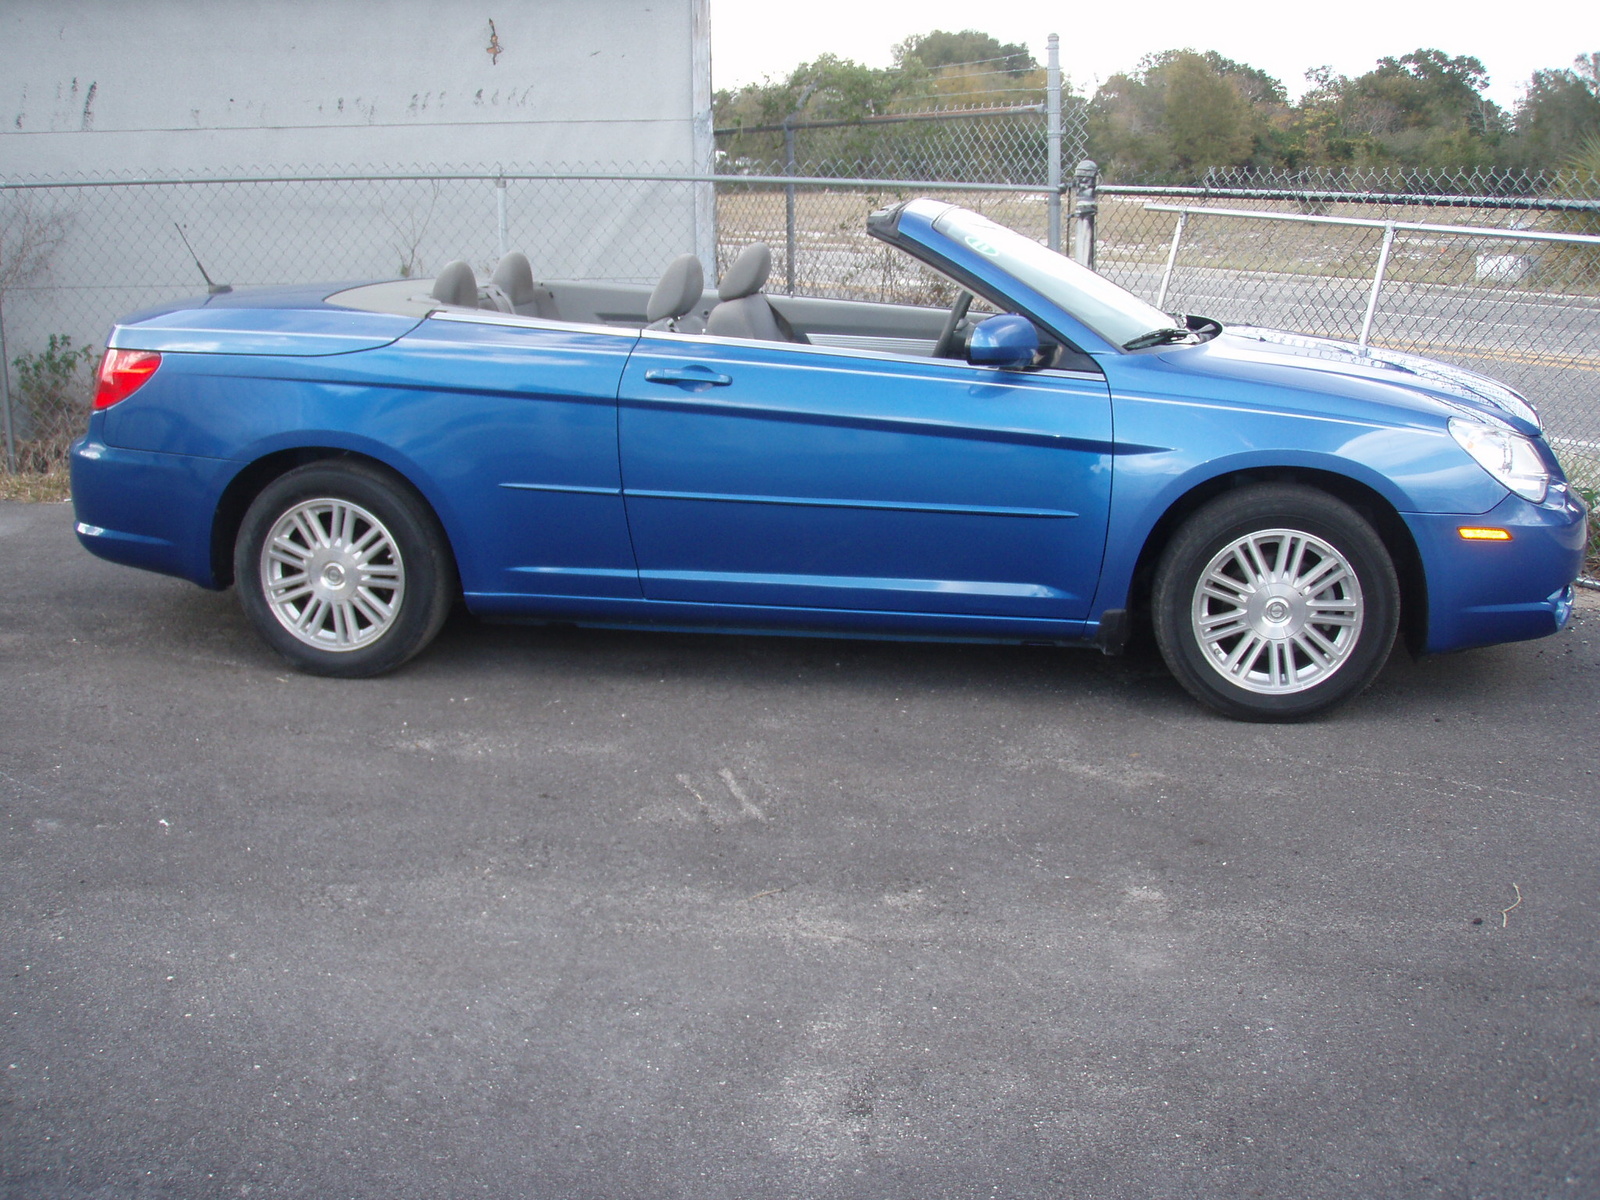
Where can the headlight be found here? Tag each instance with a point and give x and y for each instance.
(1509, 457)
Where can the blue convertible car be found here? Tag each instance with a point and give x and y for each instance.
(1049, 460)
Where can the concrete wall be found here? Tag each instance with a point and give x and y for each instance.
(94, 86)
(96, 90)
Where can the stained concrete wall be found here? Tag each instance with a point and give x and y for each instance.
(178, 85)
(167, 89)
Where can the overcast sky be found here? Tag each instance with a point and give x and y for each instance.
(753, 40)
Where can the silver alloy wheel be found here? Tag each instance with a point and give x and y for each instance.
(332, 574)
(1277, 611)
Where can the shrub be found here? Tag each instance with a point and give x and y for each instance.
(50, 396)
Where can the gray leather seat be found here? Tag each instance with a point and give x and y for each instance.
(514, 277)
(457, 285)
(744, 310)
(671, 305)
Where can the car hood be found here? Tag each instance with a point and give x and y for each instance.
(1453, 385)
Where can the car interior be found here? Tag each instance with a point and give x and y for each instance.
(679, 302)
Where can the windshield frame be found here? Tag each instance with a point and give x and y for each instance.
(1111, 311)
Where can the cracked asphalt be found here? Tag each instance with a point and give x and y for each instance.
(571, 913)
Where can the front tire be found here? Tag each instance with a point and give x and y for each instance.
(343, 570)
(1275, 602)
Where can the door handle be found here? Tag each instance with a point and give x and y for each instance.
(695, 378)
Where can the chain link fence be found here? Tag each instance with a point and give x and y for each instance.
(1009, 144)
(1511, 301)
(978, 122)
(77, 254)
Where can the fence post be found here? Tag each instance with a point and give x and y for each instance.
(704, 138)
(1053, 137)
(1084, 207)
(1377, 283)
(5, 394)
(788, 201)
(1172, 261)
(500, 212)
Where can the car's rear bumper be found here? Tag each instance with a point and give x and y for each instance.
(1484, 592)
(146, 509)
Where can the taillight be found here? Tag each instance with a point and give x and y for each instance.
(122, 373)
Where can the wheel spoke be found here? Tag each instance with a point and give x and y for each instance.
(311, 615)
(375, 610)
(361, 547)
(1323, 576)
(345, 515)
(288, 551)
(310, 532)
(1258, 564)
(1220, 587)
(1244, 654)
(1317, 648)
(1292, 571)
(1222, 625)
(286, 591)
(1280, 561)
(380, 574)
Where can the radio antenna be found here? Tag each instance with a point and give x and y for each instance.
(213, 289)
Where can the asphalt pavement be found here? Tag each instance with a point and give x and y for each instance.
(566, 913)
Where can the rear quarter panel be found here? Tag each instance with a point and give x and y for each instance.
(458, 409)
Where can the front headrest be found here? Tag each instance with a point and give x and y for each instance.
(456, 284)
(680, 289)
(515, 277)
(748, 273)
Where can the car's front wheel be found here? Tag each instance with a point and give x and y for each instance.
(1275, 602)
(343, 570)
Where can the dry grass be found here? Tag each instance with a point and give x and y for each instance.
(36, 486)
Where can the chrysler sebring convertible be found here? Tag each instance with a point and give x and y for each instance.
(1048, 460)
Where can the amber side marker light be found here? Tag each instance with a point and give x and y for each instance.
(1473, 533)
(122, 373)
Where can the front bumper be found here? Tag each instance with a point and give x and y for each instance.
(1481, 593)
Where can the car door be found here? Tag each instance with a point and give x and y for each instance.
(773, 474)
(521, 438)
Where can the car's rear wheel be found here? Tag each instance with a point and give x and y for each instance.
(1275, 602)
(343, 570)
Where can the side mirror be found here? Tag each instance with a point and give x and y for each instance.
(1008, 340)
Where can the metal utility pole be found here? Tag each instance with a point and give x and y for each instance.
(1053, 136)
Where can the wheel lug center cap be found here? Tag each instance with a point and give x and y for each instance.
(333, 575)
(1277, 610)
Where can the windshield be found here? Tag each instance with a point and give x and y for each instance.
(1116, 315)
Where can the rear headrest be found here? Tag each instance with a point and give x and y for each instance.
(680, 289)
(456, 284)
(515, 277)
(748, 273)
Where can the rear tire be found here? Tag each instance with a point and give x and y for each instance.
(343, 569)
(1275, 602)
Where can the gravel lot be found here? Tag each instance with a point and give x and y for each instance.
(593, 914)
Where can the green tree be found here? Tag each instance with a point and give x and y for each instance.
(948, 71)
(942, 49)
(1209, 122)
(1180, 114)
(1423, 109)
(1559, 113)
